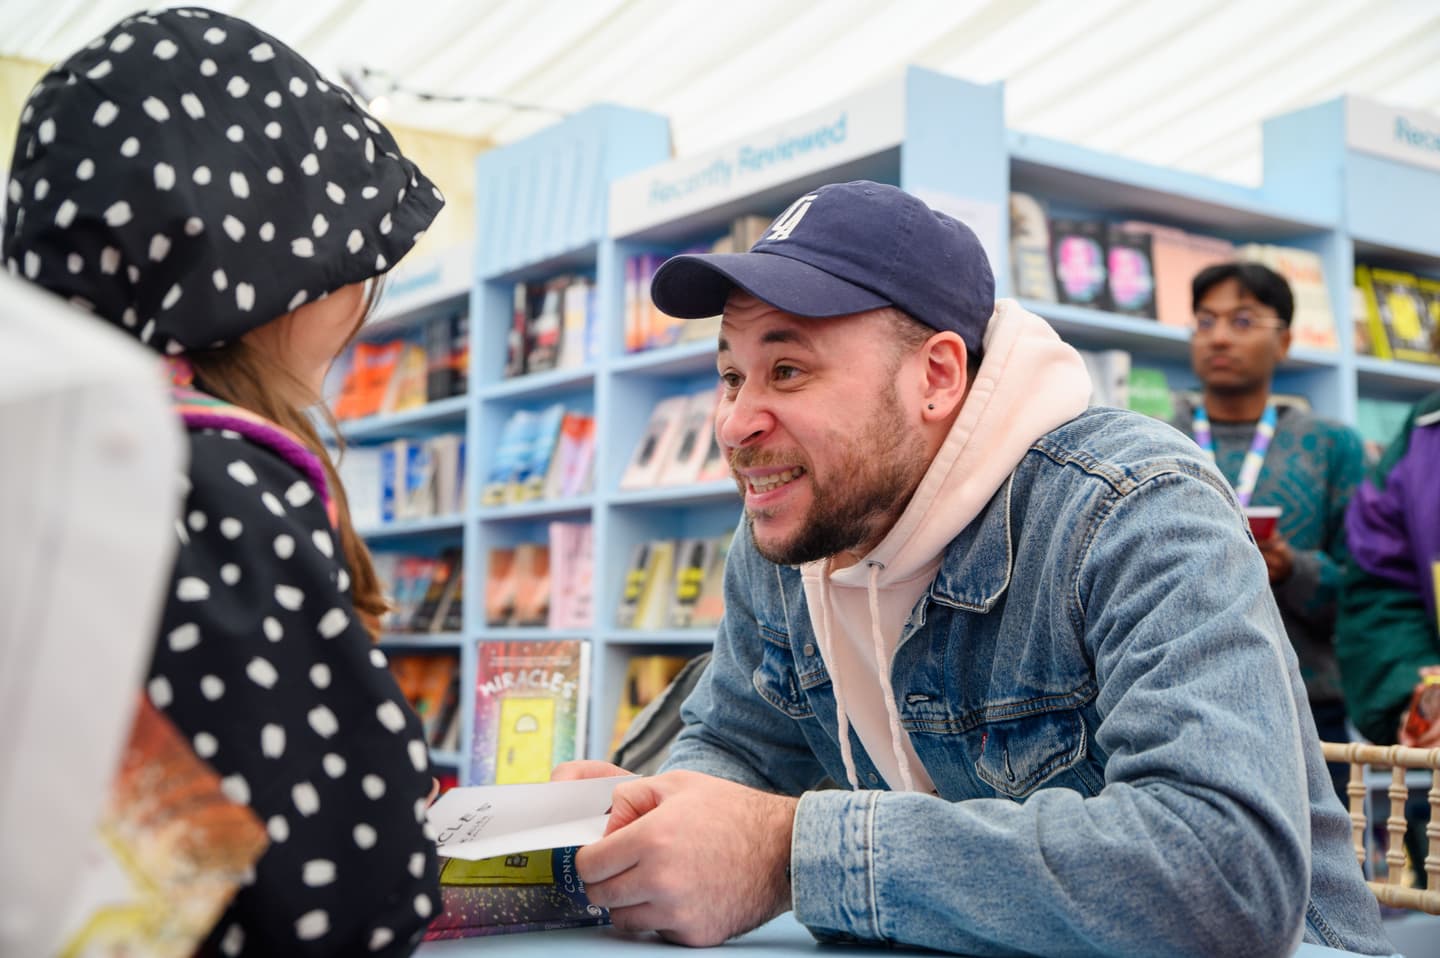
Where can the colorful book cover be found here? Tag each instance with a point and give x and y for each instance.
(171, 850)
(528, 891)
(511, 454)
(529, 480)
(654, 447)
(1313, 325)
(530, 704)
(688, 453)
(1030, 266)
(645, 678)
(1080, 263)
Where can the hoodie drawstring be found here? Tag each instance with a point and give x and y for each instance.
(842, 718)
(882, 671)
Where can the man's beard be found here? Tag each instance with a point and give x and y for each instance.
(872, 483)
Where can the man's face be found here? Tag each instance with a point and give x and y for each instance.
(1245, 342)
(824, 452)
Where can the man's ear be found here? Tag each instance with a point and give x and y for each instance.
(946, 380)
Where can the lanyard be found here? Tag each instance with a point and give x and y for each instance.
(1254, 459)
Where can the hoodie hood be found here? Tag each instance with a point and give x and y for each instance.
(1029, 383)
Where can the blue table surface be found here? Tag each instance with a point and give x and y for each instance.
(781, 937)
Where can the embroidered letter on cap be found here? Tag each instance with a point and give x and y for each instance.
(785, 224)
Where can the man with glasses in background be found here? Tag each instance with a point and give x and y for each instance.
(1277, 456)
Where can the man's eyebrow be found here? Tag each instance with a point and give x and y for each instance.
(786, 334)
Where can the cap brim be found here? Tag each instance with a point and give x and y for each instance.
(696, 285)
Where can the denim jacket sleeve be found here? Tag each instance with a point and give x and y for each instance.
(730, 730)
(1186, 850)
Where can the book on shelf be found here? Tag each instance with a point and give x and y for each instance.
(693, 558)
(709, 606)
(529, 479)
(532, 584)
(645, 599)
(436, 600)
(406, 388)
(500, 586)
(453, 619)
(1313, 325)
(1404, 316)
(1175, 257)
(577, 303)
(1130, 272)
(687, 454)
(571, 470)
(552, 325)
(359, 471)
(368, 369)
(447, 356)
(425, 679)
(516, 336)
(408, 479)
(1109, 371)
(645, 678)
(1150, 393)
(168, 854)
(1032, 273)
(653, 450)
(572, 571)
(716, 465)
(512, 453)
(530, 702)
(1080, 256)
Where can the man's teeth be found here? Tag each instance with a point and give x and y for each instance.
(766, 483)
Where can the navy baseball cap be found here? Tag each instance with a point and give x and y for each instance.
(847, 248)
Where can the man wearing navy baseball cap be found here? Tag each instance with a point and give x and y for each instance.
(1031, 640)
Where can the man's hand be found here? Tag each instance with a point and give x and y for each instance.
(697, 858)
(1279, 557)
(584, 768)
(1430, 738)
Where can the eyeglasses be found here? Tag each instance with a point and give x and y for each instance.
(1241, 321)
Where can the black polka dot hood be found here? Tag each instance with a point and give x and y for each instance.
(189, 177)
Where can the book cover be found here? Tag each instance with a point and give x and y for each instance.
(511, 453)
(709, 607)
(1313, 325)
(1401, 323)
(542, 342)
(406, 388)
(645, 678)
(1150, 393)
(524, 891)
(652, 451)
(569, 473)
(571, 575)
(575, 321)
(689, 451)
(530, 702)
(532, 584)
(447, 356)
(516, 336)
(1030, 264)
(170, 851)
(454, 617)
(692, 563)
(1176, 256)
(437, 592)
(500, 588)
(1130, 273)
(529, 480)
(1080, 257)
(645, 601)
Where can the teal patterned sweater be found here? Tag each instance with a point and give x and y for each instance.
(1311, 469)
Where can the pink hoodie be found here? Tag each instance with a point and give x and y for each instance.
(1029, 382)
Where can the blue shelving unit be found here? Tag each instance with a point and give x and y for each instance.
(587, 193)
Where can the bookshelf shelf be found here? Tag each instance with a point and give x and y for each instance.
(411, 528)
(532, 632)
(1392, 375)
(700, 493)
(446, 759)
(659, 637)
(693, 357)
(409, 641)
(538, 386)
(537, 509)
(440, 413)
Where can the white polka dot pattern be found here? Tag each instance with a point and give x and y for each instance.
(158, 97)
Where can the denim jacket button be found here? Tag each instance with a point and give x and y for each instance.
(873, 778)
(809, 649)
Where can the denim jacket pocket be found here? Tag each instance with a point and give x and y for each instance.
(1019, 755)
(776, 681)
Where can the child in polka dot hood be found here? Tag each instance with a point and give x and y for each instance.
(195, 182)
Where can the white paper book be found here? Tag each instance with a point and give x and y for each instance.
(483, 821)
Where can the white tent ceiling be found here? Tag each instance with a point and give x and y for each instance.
(1181, 83)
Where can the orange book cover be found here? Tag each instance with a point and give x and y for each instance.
(171, 850)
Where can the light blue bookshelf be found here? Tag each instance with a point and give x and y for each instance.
(600, 186)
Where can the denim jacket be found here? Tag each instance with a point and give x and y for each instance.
(1099, 686)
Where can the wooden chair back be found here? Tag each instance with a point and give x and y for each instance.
(1398, 759)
